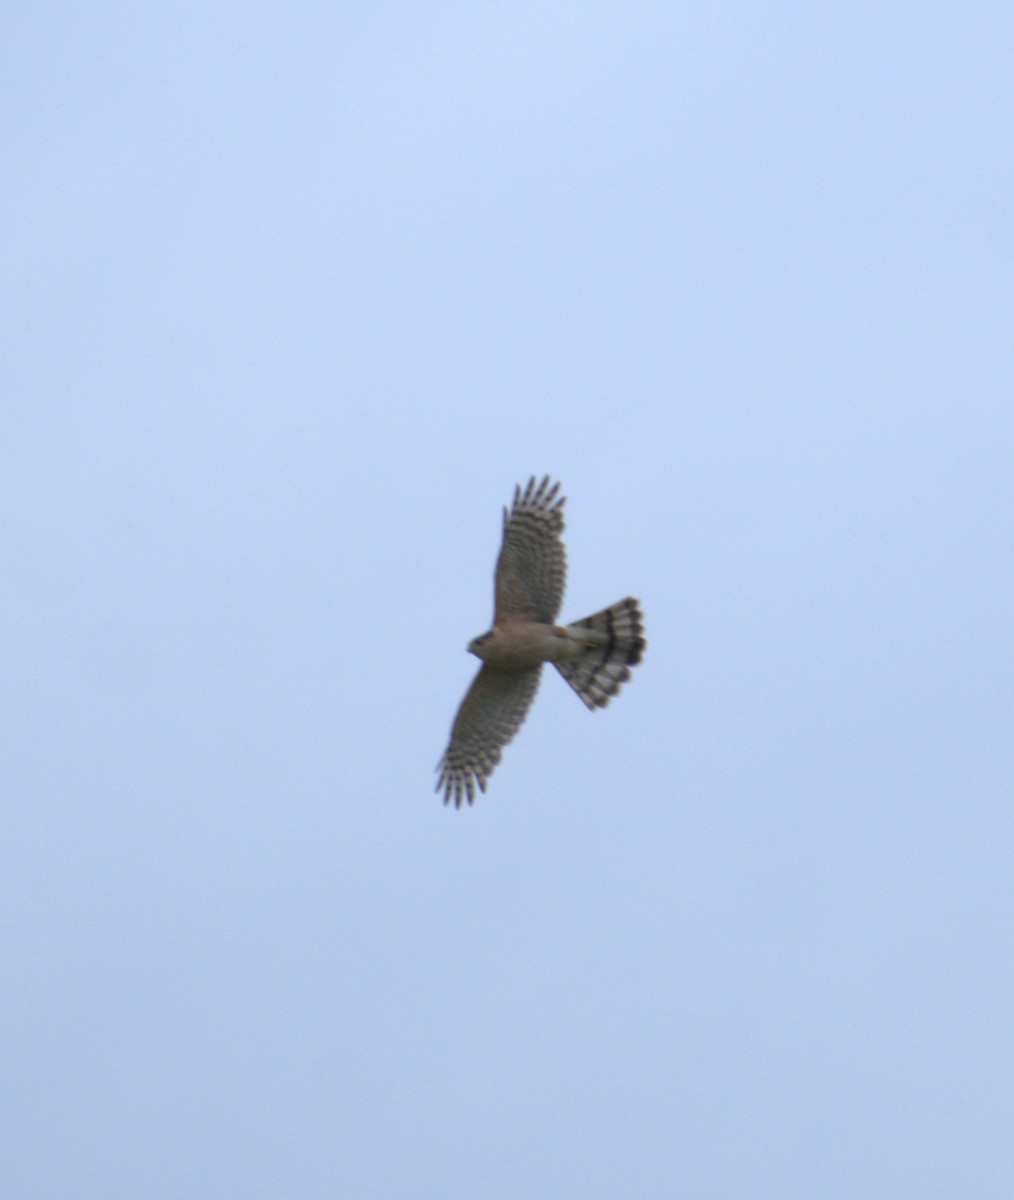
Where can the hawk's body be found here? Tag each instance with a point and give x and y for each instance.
(593, 655)
(515, 644)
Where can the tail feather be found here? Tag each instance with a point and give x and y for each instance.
(612, 642)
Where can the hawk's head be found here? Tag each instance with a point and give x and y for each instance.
(475, 646)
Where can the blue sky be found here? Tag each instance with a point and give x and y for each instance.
(292, 298)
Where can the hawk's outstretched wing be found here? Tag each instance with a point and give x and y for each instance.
(489, 717)
(532, 568)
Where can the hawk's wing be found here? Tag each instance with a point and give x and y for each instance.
(489, 717)
(532, 567)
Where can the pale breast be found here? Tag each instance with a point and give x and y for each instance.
(517, 644)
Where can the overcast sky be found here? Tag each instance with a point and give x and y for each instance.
(292, 297)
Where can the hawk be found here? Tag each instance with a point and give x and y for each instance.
(594, 655)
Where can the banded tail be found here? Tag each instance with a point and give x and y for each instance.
(611, 643)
